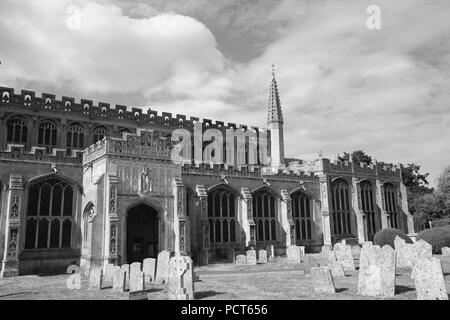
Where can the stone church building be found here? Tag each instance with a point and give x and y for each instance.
(90, 184)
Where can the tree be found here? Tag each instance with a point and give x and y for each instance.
(358, 157)
(443, 188)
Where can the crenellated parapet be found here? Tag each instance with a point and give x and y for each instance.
(87, 110)
(17, 152)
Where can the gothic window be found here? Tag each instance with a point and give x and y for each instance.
(301, 215)
(341, 211)
(17, 130)
(122, 131)
(49, 214)
(264, 215)
(75, 136)
(100, 133)
(368, 207)
(390, 204)
(47, 133)
(222, 215)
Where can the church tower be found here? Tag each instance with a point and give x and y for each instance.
(275, 124)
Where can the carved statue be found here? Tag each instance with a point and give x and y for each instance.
(146, 180)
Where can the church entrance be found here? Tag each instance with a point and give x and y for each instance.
(142, 233)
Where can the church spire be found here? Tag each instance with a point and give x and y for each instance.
(275, 114)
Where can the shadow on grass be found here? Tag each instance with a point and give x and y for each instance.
(339, 290)
(402, 289)
(446, 274)
(206, 294)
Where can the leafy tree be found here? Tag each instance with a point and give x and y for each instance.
(443, 188)
(358, 156)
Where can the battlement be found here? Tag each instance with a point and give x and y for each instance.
(16, 152)
(104, 111)
(245, 171)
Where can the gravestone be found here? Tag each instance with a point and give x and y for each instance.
(307, 264)
(368, 252)
(135, 266)
(422, 249)
(262, 256)
(95, 278)
(137, 280)
(119, 280)
(270, 252)
(322, 280)
(344, 255)
(149, 269)
(326, 249)
(126, 267)
(377, 274)
(337, 270)
(356, 251)
(241, 260)
(251, 257)
(108, 277)
(445, 251)
(162, 266)
(429, 279)
(402, 254)
(181, 278)
(294, 254)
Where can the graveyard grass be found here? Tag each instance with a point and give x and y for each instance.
(278, 280)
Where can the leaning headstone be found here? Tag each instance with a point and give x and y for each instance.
(422, 249)
(429, 279)
(95, 278)
(137, 281)
(344, 255)
(108, 277)
(270, 252)
(181, 278)
(377, 275)
(149, 269)
(162, 266)
(262, 256)
(337, 270)
(445, 251)
(119, 280)
(294, 254)
(251, 257)
(322, 280)
(241, 260)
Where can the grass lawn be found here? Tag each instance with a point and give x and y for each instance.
(278, 280)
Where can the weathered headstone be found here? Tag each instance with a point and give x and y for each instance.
(445, 251)
(356, 251)
(95, 278)
(294, 254)
(181, 278)
(126, 268)
(422, 249)
(429, 279)
(162, 266)
(251, 257)
(377, 275)
(270, 252)
(337, 270)
(326, 249)
(241, 260)
(149, 269)
(322, 280)
(73, 269)
(108, 276)
(344, 255)
(137, 280)
(262, 256)
(135, 266)
(307, 264)
(119, 280)
(367, 253)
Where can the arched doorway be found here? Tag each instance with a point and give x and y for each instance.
(142, 233)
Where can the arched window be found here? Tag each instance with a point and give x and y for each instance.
(100, 133)
(49, 214)
(47, 134)
(368, 207)
(75, 136)
(301, 214)
(122, 131)
(390, 204)
(340, 195)
(17, 130)
(222, 215)
(264, 215)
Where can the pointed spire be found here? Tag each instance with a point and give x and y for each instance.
(275, 114)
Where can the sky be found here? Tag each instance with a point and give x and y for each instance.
(343, 86)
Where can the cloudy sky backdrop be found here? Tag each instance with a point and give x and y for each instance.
(343, 87)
